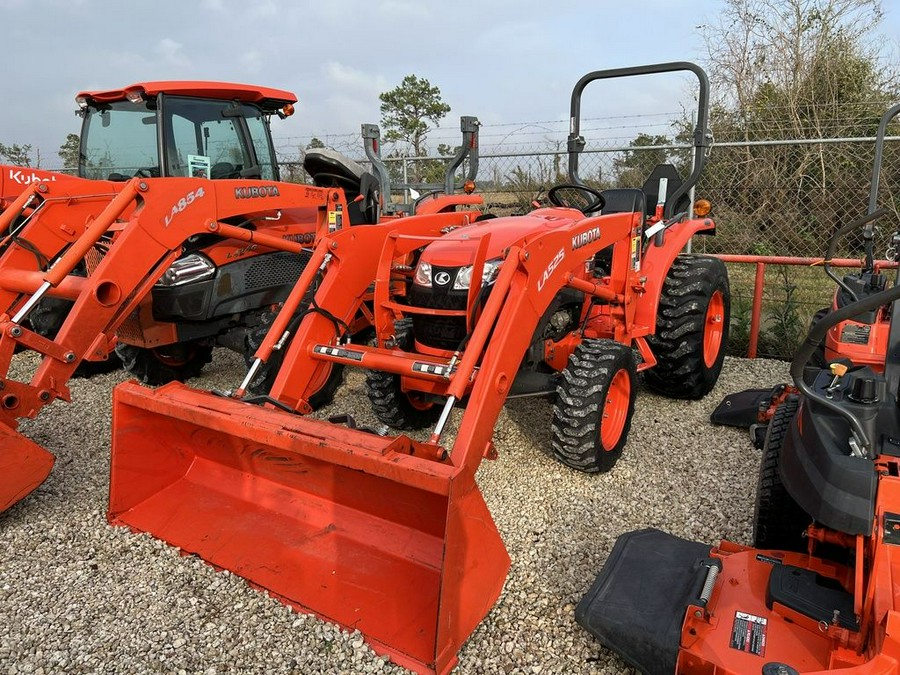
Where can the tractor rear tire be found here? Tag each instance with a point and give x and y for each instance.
(691, 328)
(778, 521)
(393, 406)
(160, 365)
(594, 405)
(47, 318)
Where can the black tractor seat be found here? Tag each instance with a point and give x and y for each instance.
(330, 168)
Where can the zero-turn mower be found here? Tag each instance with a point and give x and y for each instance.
(391, 535)
(817, 591)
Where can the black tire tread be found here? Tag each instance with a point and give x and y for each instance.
(680, 371)
(262, 382)
(48, 316)
(578, 410)
(778, 521)
(390, 404)
(142, 364)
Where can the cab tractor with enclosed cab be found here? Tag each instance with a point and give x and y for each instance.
(217, 293)
(388, 534)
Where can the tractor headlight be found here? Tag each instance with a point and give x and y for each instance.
(423, 274)
(190, 268)
(488, 275)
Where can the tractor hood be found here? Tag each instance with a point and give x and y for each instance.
(458, 248)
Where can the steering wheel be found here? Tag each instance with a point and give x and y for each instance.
(581, 197)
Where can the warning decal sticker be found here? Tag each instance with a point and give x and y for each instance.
(748, 634)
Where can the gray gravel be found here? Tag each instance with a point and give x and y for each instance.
(77, 595)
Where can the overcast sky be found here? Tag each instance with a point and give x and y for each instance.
(509, 62)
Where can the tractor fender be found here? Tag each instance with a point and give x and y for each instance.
(657, 260)
(443, 203)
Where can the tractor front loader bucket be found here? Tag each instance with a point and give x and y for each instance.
(24, 465)
(375, 533)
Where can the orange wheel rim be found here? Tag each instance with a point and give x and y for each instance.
(615, 410)
(417, 402)
(713, 329)
(172, 360)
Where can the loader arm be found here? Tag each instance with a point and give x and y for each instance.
(159, 216)
(533, 273)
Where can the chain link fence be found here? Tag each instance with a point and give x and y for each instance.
(779, 197)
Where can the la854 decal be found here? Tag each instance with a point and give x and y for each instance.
(183, 203)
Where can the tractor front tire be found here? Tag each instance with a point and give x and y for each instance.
(594, 406)
(393, 406)
(691, 328)
(47, 318)
(778, 521)
(160, 365)
(265, 376)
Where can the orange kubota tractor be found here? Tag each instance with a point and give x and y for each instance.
(391, 535)
(218, 292)
(820, 589)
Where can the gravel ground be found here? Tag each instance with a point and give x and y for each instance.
(77, 595)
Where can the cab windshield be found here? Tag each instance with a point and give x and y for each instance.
(205, 138)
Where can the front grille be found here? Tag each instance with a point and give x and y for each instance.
(441, 332)
(275, 269)
(130, 329)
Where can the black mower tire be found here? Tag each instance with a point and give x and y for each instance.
(391, 405)
(684, 369)
(585, 389)
(778, 521)
(161, 365)
(265, 376)
(47, 318)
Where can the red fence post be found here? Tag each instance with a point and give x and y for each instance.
(756, 311)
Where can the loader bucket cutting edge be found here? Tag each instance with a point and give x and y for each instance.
(24, 465)
(334, 521)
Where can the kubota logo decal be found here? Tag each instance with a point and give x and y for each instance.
(442, 278)
(304, 238)
(250, 192)
(585, 238)
(183, 203)
(23, 178)
(557, 259)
